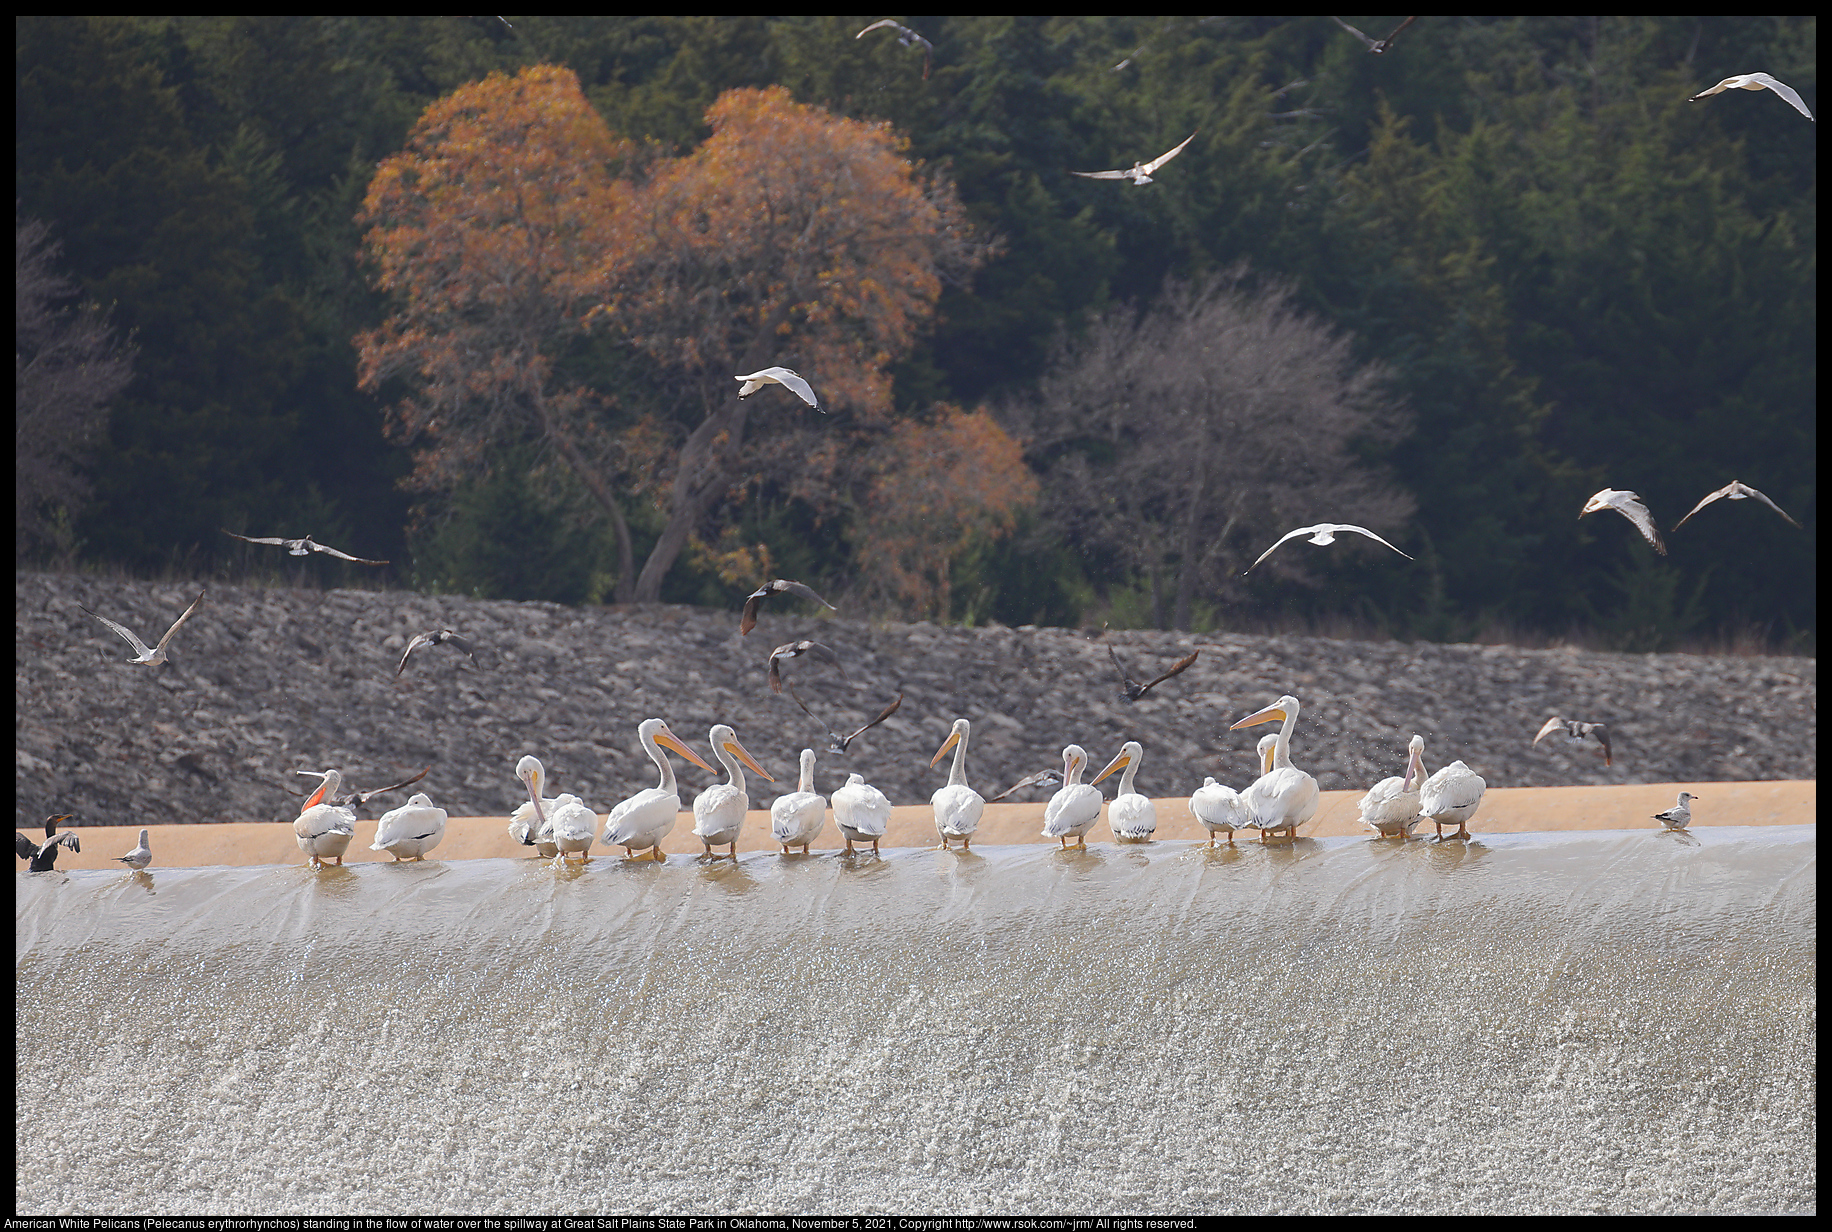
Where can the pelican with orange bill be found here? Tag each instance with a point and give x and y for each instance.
(1284, 797)
(644, 820)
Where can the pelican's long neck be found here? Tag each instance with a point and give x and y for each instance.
(1071, 771)
(733, 770)
(327, 790)
(807, 772)
(957, 776)
(1281, 752)
(661, 760)
(1132, 768)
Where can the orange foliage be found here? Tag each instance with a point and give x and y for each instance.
(939, 485)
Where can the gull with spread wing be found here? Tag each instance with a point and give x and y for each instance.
(1629, 505)
(156, 655)
(1138, 173)
(1756, 81)
(1737, 490)
(305, 547)
(1321, 533)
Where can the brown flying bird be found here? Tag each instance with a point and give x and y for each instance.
(748, 620)
(838, 743)
(792, 650)
(1131, 690)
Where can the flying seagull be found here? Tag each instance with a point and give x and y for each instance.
(1375, 46)
(793, 650)
(1629, 506)
(748, 621)
(1138, 173)
(1131, 690)
(1680, 815)
(1043, 778)
(43, 859)
(1575, 732)
(783, 377)
(838, 742)
(1736, 490)
(436, 638)
(155, 656)
(1756, 81)
(1321, 533)
(905, 37)
(305, 547)
(140, 856)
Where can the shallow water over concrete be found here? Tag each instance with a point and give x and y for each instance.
(1588, 1021)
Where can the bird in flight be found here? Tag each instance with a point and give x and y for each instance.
(305, 547)
(1138, 173)
(357, 798)
(1736, 490)
(438, 637)
(837, 742)
(1576, 732)
(1321, 533)
(783, 377)
(792, 650)
(1375, 46)
(1756, 81)
(1131, 690)
(156, 655)
(905, 37)
(1629, 506)
(748, 620)
(1043, 778)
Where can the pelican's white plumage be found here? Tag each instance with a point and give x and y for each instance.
(572, 825)
(784, 377)
(1391, 806)
(1075, 807)
(1321, 533)
(1680, 815)
(1451, 796)
(861, 811)
(1219, 807)
(412, 830)
(718, 812)
(1756, 81)
(1629, 505)
(957, 806)
(644, 820)
(1283, 798)
(324, 830)
(531, 824)
(797, 819)
(1132, 817)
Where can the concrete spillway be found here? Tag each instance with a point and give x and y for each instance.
(1546, 1022)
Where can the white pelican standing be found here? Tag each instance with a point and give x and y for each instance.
(785, 377)
(531, 824)
(1451, 796)
(140, 856)
(1075, 807)
(1218, 807)
(411, 830)
(1680, 815)
(572, 825)
(1321, 533)
(1756, 81)
(862, 812)
(1629, 505)
(1391, 806)
(718, 812)
(324, 830)
(155, 655)
(1132, 817)
(797, 819)
(1284, 797)
(957, 806)
(643, 821)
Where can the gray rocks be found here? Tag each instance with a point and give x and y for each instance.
(265, 682)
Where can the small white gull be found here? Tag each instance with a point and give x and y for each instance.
(1321, 533)
(779, 376)
(1756, 81)
(156, 655)
(1138, 173)
(1737, 490)
(1629, 506)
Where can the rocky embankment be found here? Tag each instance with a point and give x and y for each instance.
(266, 682)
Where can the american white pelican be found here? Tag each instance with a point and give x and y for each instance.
(1043, 778)
(1218, 807)
(438, 637)
(1284, 797)
(156, 655)
(324, 830)
(1138, 173)
(644, 820)
(412, 830)
(1131, 690)
(572, 825)
(1756, 81)
(718, 812)
(1629, 506)
(1375, 47)
(797, 819)
(140, 856)
(1737, 490)
(1680, 815)
(794, 650)
(1451, 796)
(1321, 533)
(1576, 732)
(305, 547)
(906, 37)
(837, 743)
(957, 806)
(862, 812)
(1075, 807)
(1132, 817)
(1391, 806)
(748, 620)
(43, 859)
(531, 824)
(779, 376)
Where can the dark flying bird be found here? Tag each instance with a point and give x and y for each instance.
(838, 743)
(1131, 690)
(792, 650)
(437, 638)
(305, 547)
(357, 798)
(1575, 732)
(156, 655)
(1375, 46)
(1736, 490)
(1138, 173)
(748, 621)
(1043, 778)
(44, 859)
(906, 37)
(1629, 506)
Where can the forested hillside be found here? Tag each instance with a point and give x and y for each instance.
(466, 294)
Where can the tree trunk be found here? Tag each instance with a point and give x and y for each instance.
(594, 483)
(699, 478)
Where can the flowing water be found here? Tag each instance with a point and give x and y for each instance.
(1606, 1021)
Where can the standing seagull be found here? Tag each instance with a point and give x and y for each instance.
(1375, 46)
(436, 638)
(784, 377)
(1138, 173)
(1756, 81)
(157, 655)
(906, 37)
(1321, 533)
(1737, 490)
(305, 547)
(748, 620)
(140, 856)
(1680, 815)
(43, 859)
(1629, 506)
(1575, 732)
